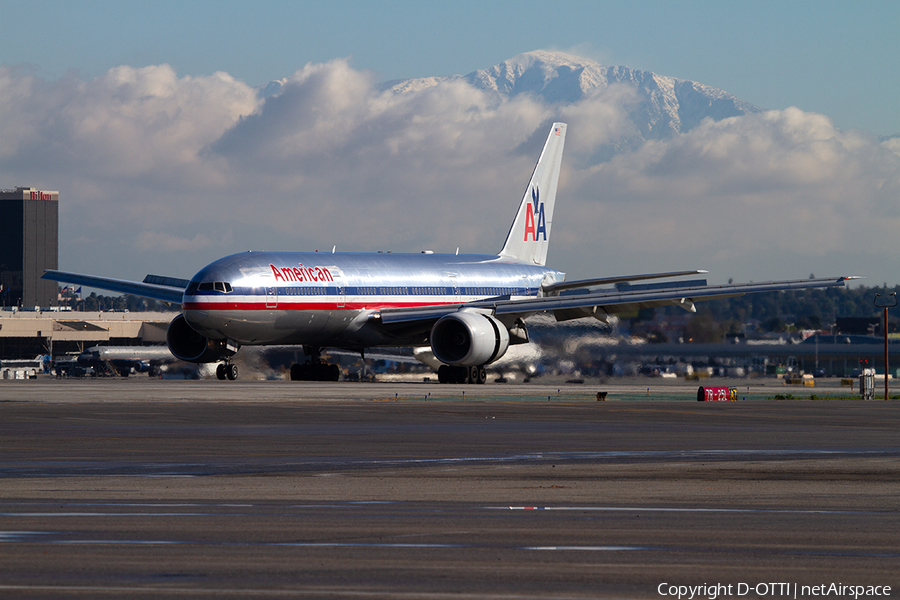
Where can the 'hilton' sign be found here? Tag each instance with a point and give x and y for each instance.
(38, 195)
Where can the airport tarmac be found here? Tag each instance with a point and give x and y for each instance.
(144, 488)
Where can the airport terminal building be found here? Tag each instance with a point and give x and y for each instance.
(29, 244)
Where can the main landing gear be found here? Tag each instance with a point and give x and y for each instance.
(316, 369)
(227, 370)
(448, 374)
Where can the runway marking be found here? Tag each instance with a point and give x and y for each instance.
(25, 537)
(331, 464)
(20, 536)
(589, 548)
(208, 508)
(294, 507)
(122, 504)
(689, 510)
(30, 537)
(110, 514)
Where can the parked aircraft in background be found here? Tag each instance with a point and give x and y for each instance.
(125, 359)
(469, 308)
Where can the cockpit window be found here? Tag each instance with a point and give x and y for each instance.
(210, 286)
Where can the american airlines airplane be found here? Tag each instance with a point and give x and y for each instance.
(469, 308)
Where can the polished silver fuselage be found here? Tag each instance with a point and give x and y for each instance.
(334, 299)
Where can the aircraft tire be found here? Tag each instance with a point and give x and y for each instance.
(455, 374)
(231, 371)
(220, 372)
(481, 376)
(315, 372)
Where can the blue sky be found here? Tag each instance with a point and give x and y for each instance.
(838, 58)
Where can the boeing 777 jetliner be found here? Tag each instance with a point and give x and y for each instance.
(468, 307)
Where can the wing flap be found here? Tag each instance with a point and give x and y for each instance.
(390, 316)
(588, 283)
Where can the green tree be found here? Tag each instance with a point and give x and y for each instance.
(703, 328)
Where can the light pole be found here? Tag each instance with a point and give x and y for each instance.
(886, 306)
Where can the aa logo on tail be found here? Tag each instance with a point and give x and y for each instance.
(534, 213)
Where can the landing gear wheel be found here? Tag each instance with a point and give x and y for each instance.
(315, 372)
(220, 372)
(231, 371)
(334, 373)
(456, 374)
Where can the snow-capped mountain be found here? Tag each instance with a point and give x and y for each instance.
(664, 105)
(656, 107)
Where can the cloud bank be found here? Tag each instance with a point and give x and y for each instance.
(162, 174)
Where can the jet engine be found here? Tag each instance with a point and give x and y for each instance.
(190, 346)
(469, 339)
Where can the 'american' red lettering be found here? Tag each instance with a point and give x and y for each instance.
(301, 273)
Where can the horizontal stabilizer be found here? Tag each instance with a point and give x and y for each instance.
(163, 293)
(167, 281)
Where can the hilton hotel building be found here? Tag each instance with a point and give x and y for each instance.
(29, 243)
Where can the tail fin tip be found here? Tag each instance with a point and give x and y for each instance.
(529, 236)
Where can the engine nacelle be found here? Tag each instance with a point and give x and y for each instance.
(469, 339)
(190, 346)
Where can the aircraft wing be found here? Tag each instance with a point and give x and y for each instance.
(164, 289)
(600, 303)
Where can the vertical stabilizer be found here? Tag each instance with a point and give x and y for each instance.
(529, 235)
